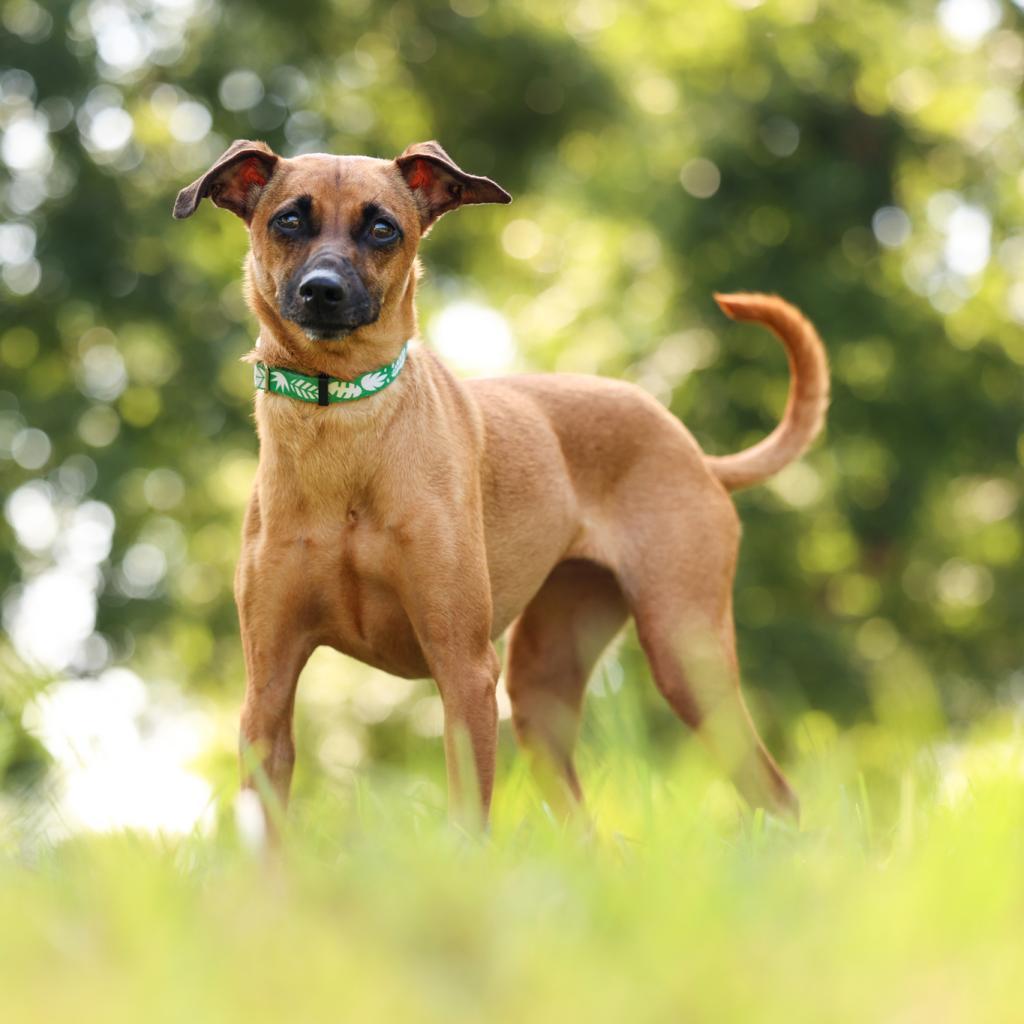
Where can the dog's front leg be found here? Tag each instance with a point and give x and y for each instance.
(467, 684)
(276, 647)
(448, 601)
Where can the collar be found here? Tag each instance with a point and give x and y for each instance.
(324, 390)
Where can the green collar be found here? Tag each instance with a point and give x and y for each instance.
(324, 390)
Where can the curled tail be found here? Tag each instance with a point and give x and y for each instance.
(808, 391)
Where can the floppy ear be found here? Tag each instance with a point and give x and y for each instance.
(235, 181)
(438, 184)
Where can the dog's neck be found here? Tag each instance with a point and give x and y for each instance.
(283, 344)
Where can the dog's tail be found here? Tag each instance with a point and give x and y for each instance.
(808, 391)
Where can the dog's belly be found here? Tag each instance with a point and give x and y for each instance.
(362, 615)
(365, 619)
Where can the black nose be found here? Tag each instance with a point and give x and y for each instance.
(322, 289)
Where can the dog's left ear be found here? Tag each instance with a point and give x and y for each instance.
(234, 182)
(438, 184)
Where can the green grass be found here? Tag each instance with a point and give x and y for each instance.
(901, 898)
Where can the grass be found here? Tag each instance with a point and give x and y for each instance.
(901, 898)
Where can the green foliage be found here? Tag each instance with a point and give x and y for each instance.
(658, 151)
(900, 899)
(22, 757)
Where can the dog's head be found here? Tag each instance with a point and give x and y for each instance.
(333, 239)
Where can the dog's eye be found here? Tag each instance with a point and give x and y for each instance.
(289, 222)
(383, 230)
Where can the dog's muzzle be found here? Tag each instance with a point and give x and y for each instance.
(327, 299)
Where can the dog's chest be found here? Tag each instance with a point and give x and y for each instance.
(349, 568)
(340, 504)
(362, 612)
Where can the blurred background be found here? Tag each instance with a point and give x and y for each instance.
(861, 158)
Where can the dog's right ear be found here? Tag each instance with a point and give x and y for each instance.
(235, 181)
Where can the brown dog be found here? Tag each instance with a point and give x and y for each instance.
(411, 528)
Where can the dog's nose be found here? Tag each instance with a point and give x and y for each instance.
(322, 288)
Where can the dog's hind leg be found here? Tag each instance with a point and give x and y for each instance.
(553, 648)
(680, 593)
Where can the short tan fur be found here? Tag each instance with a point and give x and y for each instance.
(413, 528)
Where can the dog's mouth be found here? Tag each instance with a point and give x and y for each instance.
(331, 330)
(328, 301)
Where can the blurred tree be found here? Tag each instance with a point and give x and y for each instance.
(860, 158)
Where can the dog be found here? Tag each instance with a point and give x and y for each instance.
(409, 519)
